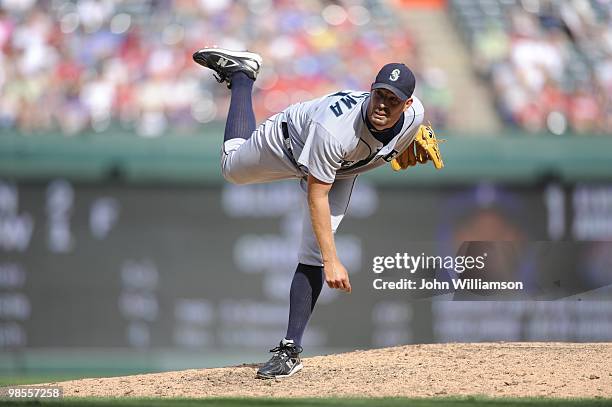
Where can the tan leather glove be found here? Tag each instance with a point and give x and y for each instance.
(423, 148)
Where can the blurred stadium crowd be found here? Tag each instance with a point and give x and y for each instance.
(549, 62)
(76, 65)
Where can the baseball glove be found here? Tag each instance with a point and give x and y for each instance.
(423, 148)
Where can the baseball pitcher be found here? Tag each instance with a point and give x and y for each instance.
(324, 143)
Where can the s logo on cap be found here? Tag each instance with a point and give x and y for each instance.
(394, 75)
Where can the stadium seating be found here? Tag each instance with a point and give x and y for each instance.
(549, 62)
(78, 66)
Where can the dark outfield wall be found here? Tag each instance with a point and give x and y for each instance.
(110, 265)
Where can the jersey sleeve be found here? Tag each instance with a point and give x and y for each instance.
(411, 132)
(322, 154)
(414, 127)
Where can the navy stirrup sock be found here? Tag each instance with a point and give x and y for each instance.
(305, 289)
(240, 119)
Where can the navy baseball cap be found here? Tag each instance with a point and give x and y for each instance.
(397, 78)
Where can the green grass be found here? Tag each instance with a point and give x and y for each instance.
(382, 402)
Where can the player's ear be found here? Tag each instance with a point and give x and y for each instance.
(407, 103)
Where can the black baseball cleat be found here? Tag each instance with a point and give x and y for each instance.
(225, 63)
(285, 362)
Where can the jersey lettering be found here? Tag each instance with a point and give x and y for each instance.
(348, 101)
(336, 109)
(356, 164)
(389, 157)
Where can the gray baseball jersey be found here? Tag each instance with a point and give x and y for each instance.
(331, 140)
(326, 137)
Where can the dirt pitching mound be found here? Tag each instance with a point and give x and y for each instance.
(491, 369)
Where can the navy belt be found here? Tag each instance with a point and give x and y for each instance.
(287, 143)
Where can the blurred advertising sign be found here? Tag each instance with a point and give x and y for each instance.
(94, 265)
